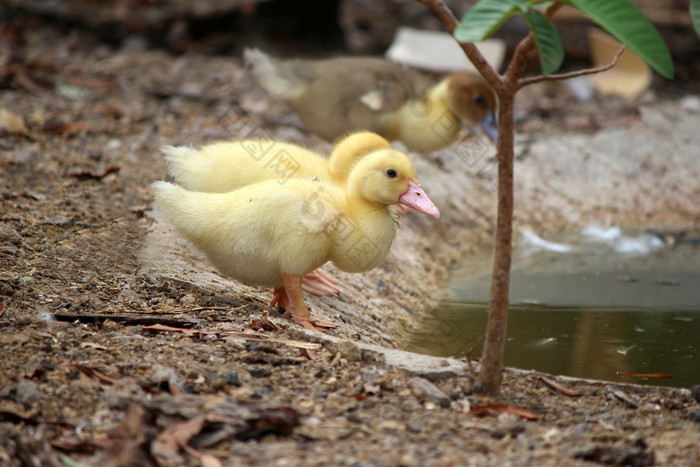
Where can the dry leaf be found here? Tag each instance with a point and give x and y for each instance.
(91, 175)
(358, 396)
(177, 437)
(125, 441)
(93, 345)
(11, 122)
(371, 388)
(207, 460)
(558, 387)
(13, 411)
(72, 443)
(236, 335)
(244, 335)
(298, 344)
(264, 323)
(259, 324)
(163, 327)
(93, 82)
(56, 126)
(310, 354)
(494, 410)
(90, 372)
(172, 437)
(276, 420)
(645, 375)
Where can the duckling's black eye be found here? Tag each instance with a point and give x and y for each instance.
(478, 100)
(391, 173)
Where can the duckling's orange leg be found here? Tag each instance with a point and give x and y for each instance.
(279, 298)
(290, 299)
(320, 283)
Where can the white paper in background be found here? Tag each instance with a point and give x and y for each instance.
(438, 51)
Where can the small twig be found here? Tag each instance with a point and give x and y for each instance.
(177, 311)
(469, 355)
(519, 60)
(590, 71)
(335, 360)
(450, 22)
(124, 320)
(209, 308)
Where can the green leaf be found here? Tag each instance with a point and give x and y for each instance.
(695, 14)
(547, 40)
(628, 25)
(484, 18)
(544, 4)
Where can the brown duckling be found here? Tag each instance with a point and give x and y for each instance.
(339, 95)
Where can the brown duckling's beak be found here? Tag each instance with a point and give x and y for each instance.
(489, 126)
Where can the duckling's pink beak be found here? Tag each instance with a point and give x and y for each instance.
(415, 198)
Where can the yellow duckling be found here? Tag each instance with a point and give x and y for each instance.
(270, 234)
(228, 165)
(345, 94)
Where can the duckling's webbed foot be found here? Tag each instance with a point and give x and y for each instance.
(314, 323)
(289, 298)
(323, 323)
(320, 283)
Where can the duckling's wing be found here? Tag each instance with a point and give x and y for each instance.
(390, 91)
(378, 84)
(257, 233)
(354, 93)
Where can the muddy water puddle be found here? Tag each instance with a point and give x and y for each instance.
(601, 304)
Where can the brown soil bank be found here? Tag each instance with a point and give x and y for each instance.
(87, 271)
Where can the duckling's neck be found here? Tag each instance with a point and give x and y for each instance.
(426, 124)
(438, 93)
(360, 208)
(364, 235)
(340, 166)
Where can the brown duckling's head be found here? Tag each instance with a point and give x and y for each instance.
(471, 99)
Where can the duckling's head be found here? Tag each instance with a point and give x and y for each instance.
(387, 177)
(471, 99)
(349, 149)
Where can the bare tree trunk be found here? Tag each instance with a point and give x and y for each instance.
(505, 86)
(491, 372)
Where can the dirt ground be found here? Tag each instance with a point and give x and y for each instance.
(105, 364)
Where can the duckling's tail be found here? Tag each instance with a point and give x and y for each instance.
(182, 164)
(270, 77)
(167, 197)
(176, 206)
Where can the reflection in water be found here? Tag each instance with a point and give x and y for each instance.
(590, 343)
(592, 313)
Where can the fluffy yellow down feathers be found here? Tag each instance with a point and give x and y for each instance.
(274, 232)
